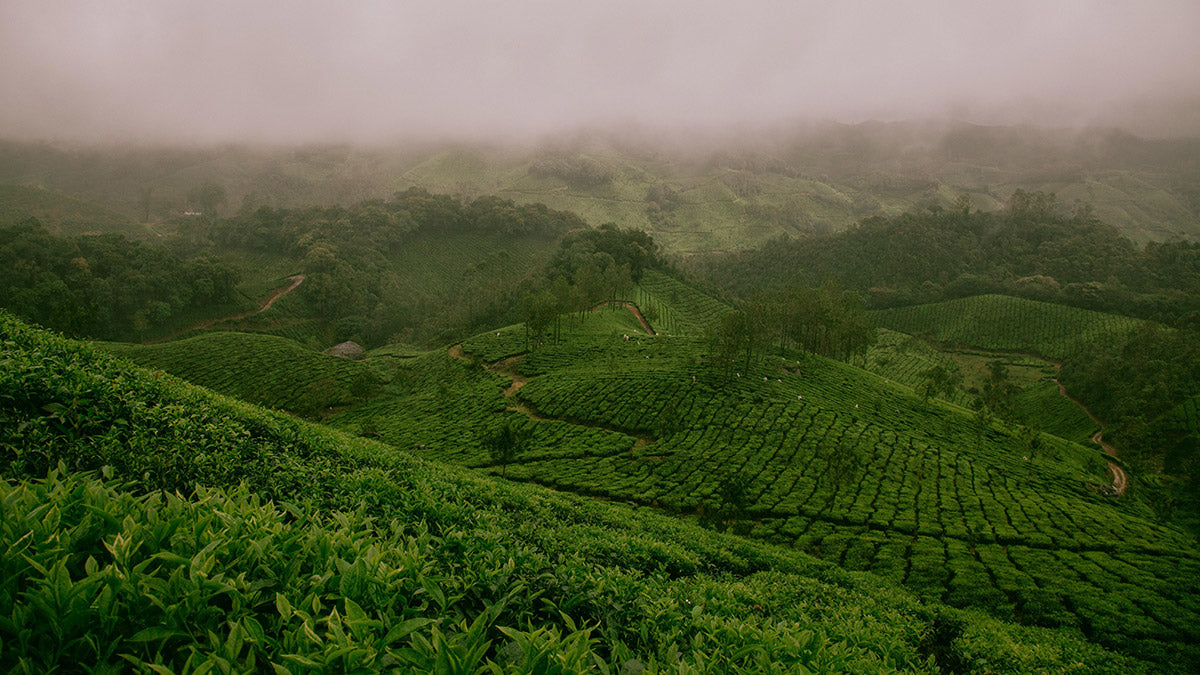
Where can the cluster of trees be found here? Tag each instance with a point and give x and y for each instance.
(1134, 384)
(104, 286)
(1037, 248)
(352, 282)
(828, 321)
(590, 267)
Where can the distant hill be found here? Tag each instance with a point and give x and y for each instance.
(61, 214)
(692, 194)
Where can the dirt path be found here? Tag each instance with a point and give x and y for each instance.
(263, 305)
(1120, 478)
(637, 313)
(508, 368)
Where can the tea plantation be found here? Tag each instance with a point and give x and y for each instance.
(263, 369)
(150, 525)
(1006, 323)
(824, 458)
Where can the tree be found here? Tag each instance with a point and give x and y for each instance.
(540, 309)
(998, 391)
(732, 491)
(1030, 441)
(505, 444)
(733, 339)
(939, 380)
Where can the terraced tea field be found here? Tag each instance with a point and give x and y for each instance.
(263, 369)
(831, 460)
(857, 471)
(1003, 323)
(678, 309)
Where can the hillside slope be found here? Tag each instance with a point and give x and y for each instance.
(372, 559)
(1006, 323)
(818, 456)
(263, 369)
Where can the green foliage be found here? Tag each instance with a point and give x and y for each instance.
(261, 369)
(1004, 323)
(386, 562)
(506, 443)
(1032, 252)
(105, 286)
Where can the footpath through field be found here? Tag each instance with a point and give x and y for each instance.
(508, 368)
(1120, 478)
(637, 313)
(263, 305)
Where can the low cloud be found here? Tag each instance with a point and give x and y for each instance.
(376, 71)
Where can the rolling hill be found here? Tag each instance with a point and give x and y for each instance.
(211, 533)
(813, 455)
(694, 194)
(266, 370)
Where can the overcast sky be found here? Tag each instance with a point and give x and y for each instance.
(219, 70)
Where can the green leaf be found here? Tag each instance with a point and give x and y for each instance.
(283, 606)
(301, 660)
(154, 633)
(404, 628)
(170, 557)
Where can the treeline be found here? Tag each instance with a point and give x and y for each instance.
(354, 283)
(828, 321)
(1037, 248)
(104, 286)
(383, 224)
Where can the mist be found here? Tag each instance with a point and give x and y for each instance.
(286, 72)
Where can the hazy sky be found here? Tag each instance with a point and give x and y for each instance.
(215, 70)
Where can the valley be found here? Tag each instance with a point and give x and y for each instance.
(872, 449)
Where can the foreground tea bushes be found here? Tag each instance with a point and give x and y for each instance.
(365, 559)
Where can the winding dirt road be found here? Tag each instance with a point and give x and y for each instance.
(1120, 478)
(263, 305)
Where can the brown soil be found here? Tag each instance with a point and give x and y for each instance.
(263, 305)
(1120, 478)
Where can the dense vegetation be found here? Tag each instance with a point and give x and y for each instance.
(1032, 249)
(106, 286)
(308, 550)
(266, 370)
